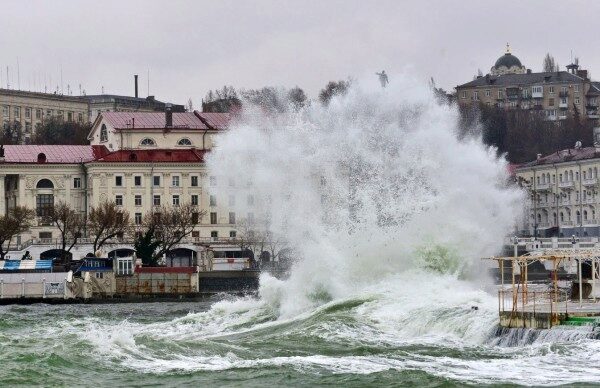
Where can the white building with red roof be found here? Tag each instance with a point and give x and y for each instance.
(139, 130)
(138, 160)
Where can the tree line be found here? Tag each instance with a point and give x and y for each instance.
(51, 131)
(159, 231)
(156, 234)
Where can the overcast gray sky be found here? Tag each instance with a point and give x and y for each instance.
(193, 46)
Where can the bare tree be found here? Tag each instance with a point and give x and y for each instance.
(18, 220)
(333, 89)
(166, 227)
(190, 105)
(105, 222)
(549, 64)
(70, 223)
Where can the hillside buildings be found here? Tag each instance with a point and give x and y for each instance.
(510, 85)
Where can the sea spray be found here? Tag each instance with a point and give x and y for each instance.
(374, 183)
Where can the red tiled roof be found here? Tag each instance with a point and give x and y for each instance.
(215, 120)
(53, 153)
(188, 155)
(156, 120)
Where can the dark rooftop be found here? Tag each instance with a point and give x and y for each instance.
(523, 79)
(568, 155)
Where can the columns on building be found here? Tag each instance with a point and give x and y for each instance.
(2, 195)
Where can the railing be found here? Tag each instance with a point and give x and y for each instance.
(565, 185)
(542, 186)
(563, 94)
(519, 302)
(589, 181)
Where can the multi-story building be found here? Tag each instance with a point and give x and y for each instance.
(29, 109)
(564, 193)
(556, 94)
(136, 160)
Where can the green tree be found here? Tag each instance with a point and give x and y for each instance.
(57, 131)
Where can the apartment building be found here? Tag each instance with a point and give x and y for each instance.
(30, 109)
(509, 85)
(564, 193)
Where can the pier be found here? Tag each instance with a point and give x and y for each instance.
(569, 296)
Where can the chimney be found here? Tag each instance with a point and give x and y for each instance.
(582, 73)
(135, 77)
(168, 116)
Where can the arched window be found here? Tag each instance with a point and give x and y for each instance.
(585, 215)
(147, 142)
(184, 142)
(578, 214)
(562, 217)
(103, 133)
(45, 184)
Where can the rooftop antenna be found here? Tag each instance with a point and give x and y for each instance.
(102, 89)
(18, 75)
(61, 80)
(507, 48)
(148, 89)
(80, 89)
(7, 81)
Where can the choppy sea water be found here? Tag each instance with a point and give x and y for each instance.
(353, 342)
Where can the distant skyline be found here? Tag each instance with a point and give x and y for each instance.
(190, 47)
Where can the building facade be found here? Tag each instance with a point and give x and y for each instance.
(27, 110)
(120, 167)
(564, 193)
(509, 85)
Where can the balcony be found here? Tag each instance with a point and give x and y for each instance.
(591, 221)
(563, 94)
(565, 185)
(589, 181)
(542, 186)
(537, 94)
(562, 117)
(563, 103)
(566, 223)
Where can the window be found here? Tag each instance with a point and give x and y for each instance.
(563, 100)
(195, 218)
(27, 113)
(147, 142)
(17, 112)
(76, 183)
(525, 93)
(213, 218)
(487, 93)
(49, 113)
(69, 116)
(476, 96)
(551, 89)
(176, 200)
(194, 200)
(156, 200)
(80, 117)
(138, 200)
(45, 184)
(119, 200)
(59, 114)
(563, 89)
(551, 102)
(500, 93)
(232, 234)
(213, 200)
(194, 182)
(103, 132)
(576, 100)
(175, 180)
(576, 88)
(232, 217)
(232, 200)
(464, 94)
(44, 204)
(38, 114)
(137, 180)
(184, 142)
(214, 234)
(536, 89)
(118, 181)
(5, 110)
(156, 180)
